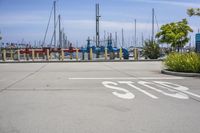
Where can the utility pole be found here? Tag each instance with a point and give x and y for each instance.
(153, 14)
(54, 4)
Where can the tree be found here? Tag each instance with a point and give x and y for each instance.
(151, 50)
(193, 12)
(175, 34)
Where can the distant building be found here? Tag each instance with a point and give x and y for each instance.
(197, 38)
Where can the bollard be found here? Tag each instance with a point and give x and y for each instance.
(136, 54)
(83, 56)
(18, 55)
(37, 54)
(44, 55)
(27, 56)
(76, 54)
(33, 54)
(50, 56)
(4, 55)
(62, 55)
(24, 56)
(106, 53)
(88, 55)
(11, 55)
(120, 54)
(91, 54)
(47, 54)
(70, 56)
(111, 55)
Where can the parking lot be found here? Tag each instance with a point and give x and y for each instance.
(100, 97)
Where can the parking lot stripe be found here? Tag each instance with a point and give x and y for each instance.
(124, 78)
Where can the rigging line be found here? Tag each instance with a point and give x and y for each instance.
(157, 23)
(53, 34)
(147, 23)
(47, 27)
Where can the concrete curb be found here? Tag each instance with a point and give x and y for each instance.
(11, 62)
(180, 73)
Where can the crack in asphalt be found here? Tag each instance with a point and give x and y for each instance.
(114, 69)
(17, 81)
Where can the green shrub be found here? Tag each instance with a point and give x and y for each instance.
(183, 62)
(151, 50)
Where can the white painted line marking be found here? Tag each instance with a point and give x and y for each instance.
(125, 95)
(125, 78)
(176, 91)
(129, 83)
(177, 87)
(177, 94)
(190, 93)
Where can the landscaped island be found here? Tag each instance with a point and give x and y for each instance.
(183, 62)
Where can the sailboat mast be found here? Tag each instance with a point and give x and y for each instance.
(60, 32)
(122, 38)
(54, 4)
(135, 33)
(142, 39)
(116, 39)
(97, 26)
(153, 14)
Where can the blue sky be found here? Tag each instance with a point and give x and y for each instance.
(27, 19)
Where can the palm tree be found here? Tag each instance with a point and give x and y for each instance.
(193, 12)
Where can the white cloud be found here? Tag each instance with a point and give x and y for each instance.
(175, 3)
(79, 24)
(20, 19)
(107, 25)
(125, 25)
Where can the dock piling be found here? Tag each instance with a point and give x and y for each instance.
(47, 54)
(33, 55)
(136, 54)
(62, 55)
(91, 54)
(76, 54)
(4, 55)
(120, 54)
(18, 55)
(11, 55)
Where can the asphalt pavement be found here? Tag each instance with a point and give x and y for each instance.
(99, 97)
